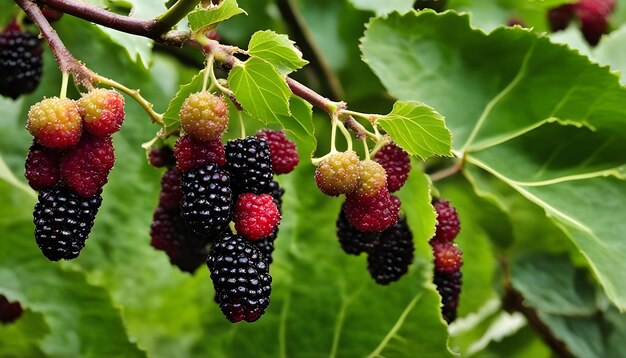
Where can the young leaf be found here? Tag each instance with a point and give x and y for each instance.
(558, 149)
(276, 49)
(417, 128)
(203, 19)
(260, 89)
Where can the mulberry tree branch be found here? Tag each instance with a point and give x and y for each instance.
(159, 30)
(67, 62)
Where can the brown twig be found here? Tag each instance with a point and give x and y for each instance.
(67, 62)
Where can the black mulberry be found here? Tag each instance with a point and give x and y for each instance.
(248, 161)
(240, 277)
(63, 221)
(391, 258)
(207, 200)
(21, 62)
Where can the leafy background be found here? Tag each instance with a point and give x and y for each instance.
(542, 126)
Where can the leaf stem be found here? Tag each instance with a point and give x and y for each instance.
(333, 134)
(346, 134)
(134, 94)
(177, 12)
(242, 126)
(370, 117)
(382, 141)
(358, 129)
(207, 69)
(366, 149)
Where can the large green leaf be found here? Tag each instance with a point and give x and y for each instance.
(260, 89)
(566, 301)
(81, 318)
(384, 7)
(538, 116)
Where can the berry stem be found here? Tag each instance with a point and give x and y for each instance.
(242, 126)
(215, 82)
(382, 141)
(207, 71)
(346, 134)
(64, 80)
(366, 149)
(333, 134)
(134, 94)
(358, 129)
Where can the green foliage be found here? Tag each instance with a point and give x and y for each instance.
(384, 7)
(577, 181)
(568, 303)
(537, 130)
(260, 89)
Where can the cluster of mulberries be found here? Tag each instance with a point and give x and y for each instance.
(9, 311)
(21, 61)
(447, 257)
(69, 163)
(213, 185)
(593, 16)
(184, 248)
(369, 220)
(367, 185)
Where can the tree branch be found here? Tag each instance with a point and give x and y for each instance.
(158, 31)
(67, 62)
(152, 28)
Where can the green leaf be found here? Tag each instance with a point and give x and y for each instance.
(554, 285)
(384, 7)
(7, 175)
(417, 128)
(566, 301)
(75, 327)
(276, 49)
(203, 19)
(300, 124)
(23, 337)
(523, 117)
(260, 89)
(138, 48)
